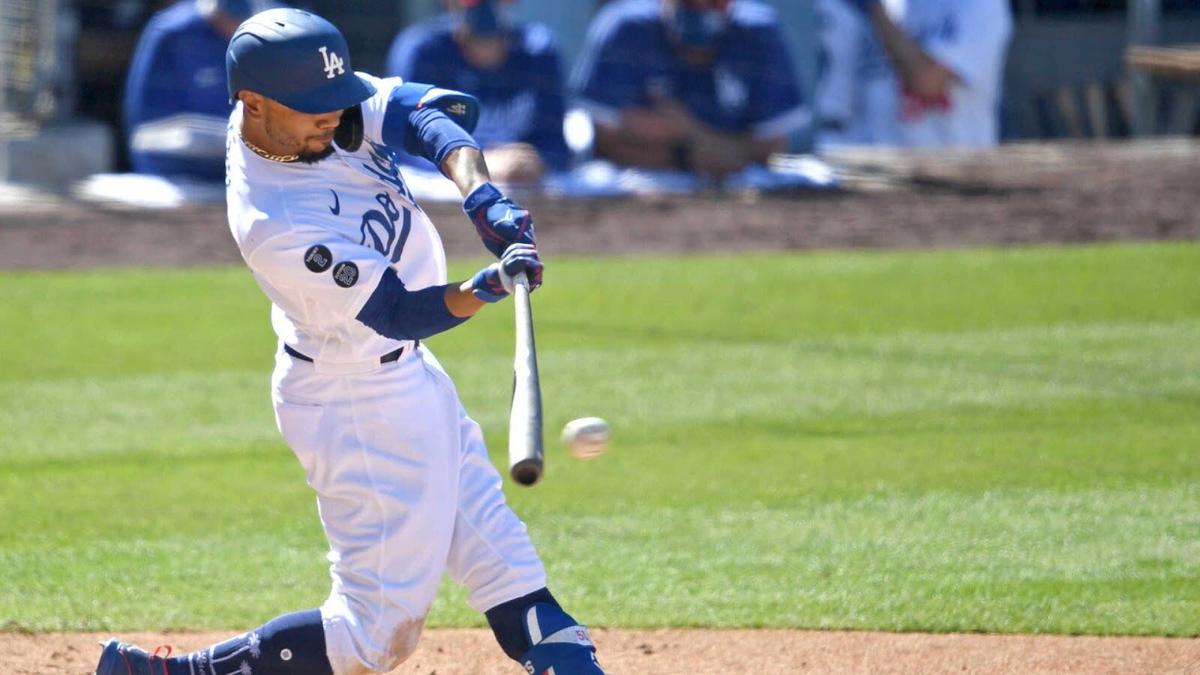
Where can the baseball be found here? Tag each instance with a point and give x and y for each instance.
(586, 437)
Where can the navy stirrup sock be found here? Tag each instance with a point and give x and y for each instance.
(292, 644)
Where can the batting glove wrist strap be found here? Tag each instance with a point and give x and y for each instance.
(499, 220)
(488, 284)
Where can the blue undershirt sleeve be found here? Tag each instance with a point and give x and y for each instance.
(395, 312)
(435, 135)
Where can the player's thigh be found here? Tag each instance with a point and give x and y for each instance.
(382, 458)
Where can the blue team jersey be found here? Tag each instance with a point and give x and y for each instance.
(751, 86)
(521, 101)
(178, 74)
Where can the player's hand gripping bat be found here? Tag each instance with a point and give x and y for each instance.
(525, 458)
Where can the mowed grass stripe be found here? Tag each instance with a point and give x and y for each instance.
(121, 322)
(1097, 561)
(817, 381)
(952, 440)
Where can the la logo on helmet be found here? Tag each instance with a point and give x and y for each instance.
(334, 65)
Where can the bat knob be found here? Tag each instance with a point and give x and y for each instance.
(526, 472)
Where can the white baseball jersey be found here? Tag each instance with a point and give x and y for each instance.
(969, 37)
(405, 489)
(319, 237)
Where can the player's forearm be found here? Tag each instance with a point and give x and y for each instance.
(466, 168)
(705, 151)
(461, 300)
(645, 125)
(738, 149)
(921, 74)
(611, 145)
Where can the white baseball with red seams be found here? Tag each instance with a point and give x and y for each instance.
(586, 437)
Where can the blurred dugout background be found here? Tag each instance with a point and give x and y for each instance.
(1067, 73)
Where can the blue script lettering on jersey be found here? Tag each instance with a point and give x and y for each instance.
(384, 167)
(379, 227)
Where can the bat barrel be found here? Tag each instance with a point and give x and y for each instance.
(525, 453)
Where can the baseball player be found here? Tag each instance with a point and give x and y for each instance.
(513, 68)
(175, 105)
(704, 86)
(357, 277)
(925, 72)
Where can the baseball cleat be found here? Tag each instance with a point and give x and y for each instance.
(120, 658)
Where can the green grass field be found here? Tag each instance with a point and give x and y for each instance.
(945, 441)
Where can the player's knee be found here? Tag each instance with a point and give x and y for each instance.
(364, 645)
(535, 631)
(401, 644)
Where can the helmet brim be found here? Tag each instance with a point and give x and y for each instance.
(339, 94)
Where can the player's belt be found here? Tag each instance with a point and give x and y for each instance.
(386, 358)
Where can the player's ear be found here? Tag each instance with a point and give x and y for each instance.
(252, 103)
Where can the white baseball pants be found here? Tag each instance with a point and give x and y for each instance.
(405, 492)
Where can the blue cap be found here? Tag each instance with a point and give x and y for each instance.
(296, 58)
(483, 18)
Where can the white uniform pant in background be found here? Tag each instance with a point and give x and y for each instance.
(406, 492)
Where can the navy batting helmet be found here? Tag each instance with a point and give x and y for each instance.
(296, 58)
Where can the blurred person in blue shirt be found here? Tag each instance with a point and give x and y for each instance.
(705, 86)
(515, 71)
(176, 103)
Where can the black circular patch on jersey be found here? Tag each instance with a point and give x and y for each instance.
(318, 258)
(345, 274)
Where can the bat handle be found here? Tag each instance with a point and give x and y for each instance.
(522, 280)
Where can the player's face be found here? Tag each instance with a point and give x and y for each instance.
(485, 53)
(296, 133)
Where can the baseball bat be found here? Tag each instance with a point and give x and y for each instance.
(525, 456)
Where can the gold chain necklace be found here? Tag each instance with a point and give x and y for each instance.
(267, 155)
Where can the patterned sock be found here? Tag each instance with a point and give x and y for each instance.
(292, 644)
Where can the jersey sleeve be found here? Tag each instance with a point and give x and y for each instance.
(609, 75)
(972, 41)
(388, 117)
(329, 276)
(375, 108)
(775, 96)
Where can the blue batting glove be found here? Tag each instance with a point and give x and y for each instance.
(523, 258)
(499, 220)
(864, 6)
(494, 282)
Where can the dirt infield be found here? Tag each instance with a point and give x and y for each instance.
(1023, 195)
(709, 652)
